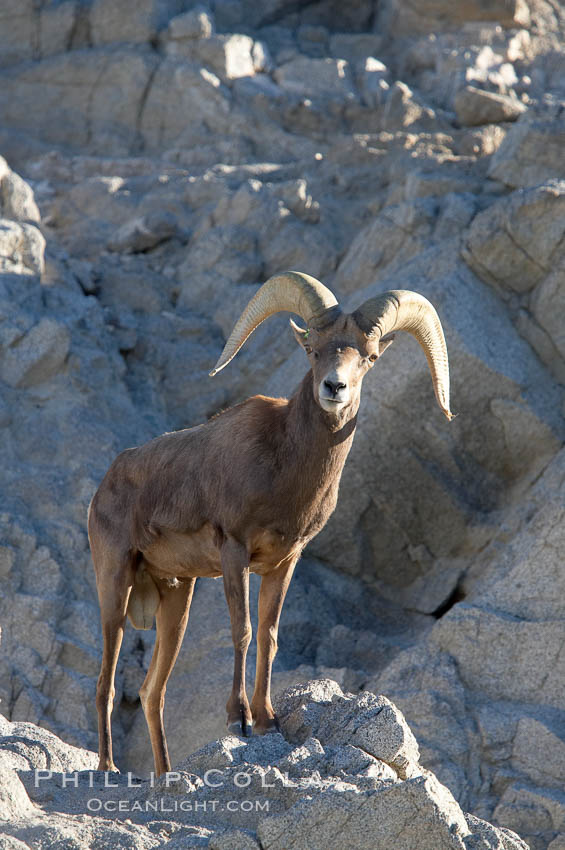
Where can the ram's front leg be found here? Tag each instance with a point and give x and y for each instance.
(235, 569)
(271, 597)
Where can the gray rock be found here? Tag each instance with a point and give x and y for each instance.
(228, 56)
(38, 356)
(17, 33)
(262, 61)
(483, 141)
(328, 79)
(308, 795)
(22, 248)
(532, 151)
(548, 303)
(536, 812)
(25, 747)
(178, 90)
(144, 233)
(379, 729)
(355, 47)
(57, 21)
(404, 19)
(15, 803)
(373, 82)
(196, 23)
(403, 110)
(297, 198)
(133, 22)
(485, 659)
(37, 748)
(477, 106)
(537, 753)
(515, 242)
(509, 608)
(369, 821)
(233, 839)
(16, 197)
(486, 836)
(397, 233)
(100, 110)
(313, 40)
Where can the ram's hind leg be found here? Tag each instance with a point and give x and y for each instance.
(114, 580)
(172, 617)
(272, 593)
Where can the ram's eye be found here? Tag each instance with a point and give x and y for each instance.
(308, 349)
(372, 357)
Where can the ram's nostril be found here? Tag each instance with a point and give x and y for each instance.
(334, 386)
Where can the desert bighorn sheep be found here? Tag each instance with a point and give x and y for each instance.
(244, 492)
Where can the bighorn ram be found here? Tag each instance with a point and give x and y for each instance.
(244, 492)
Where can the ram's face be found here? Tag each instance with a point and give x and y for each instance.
(342, 348)
(340, 357)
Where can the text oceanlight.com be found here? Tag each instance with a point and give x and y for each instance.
(95, 804)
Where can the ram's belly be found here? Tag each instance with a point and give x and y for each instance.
(194, 555)
(175, 555)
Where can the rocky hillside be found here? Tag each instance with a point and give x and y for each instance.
(346, 773)
(162, 160)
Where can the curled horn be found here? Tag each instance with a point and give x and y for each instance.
(403, 310)
(293, 291)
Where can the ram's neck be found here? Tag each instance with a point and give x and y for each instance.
(318, 444)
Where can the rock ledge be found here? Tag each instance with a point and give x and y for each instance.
(344, 772)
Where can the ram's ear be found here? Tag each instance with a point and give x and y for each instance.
(301, 335)
(384, 344)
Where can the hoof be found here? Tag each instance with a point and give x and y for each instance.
(108, 767)
(273, 726)
(244, 730)
(241, 728)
